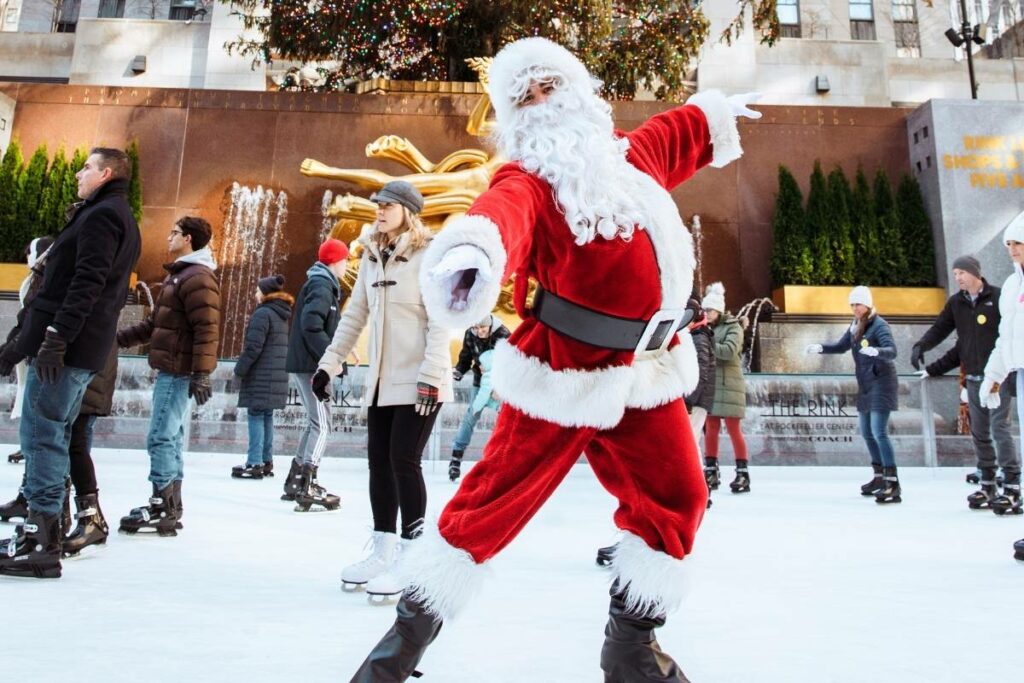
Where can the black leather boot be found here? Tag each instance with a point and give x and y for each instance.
(17, 507)
(34, 552)
(631, 653)
(877, 482)
(293, 481)
(395, 657)
(455, 466)
(92, 529)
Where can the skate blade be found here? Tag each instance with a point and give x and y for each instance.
(1007, 512)
(887, 501)
(22, 576)
(315, 508)
(349, 587)
(13, 519)
(383, 599)
(149, 532)
(87, 552)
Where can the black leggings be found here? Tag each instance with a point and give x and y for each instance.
(395, 441)
(83, 473)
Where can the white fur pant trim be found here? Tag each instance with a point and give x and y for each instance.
(655, 582)
(441, 576)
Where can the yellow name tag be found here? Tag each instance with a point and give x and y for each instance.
(864, 343)
(982, 319)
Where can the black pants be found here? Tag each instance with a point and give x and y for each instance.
(396, 437)
(83, 473)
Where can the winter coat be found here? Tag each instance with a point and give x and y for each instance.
(976, 324)
(730, 387)
(261, 365)
(703, 395)
(316, 315)
(99, 395)
(183, 330)
(483, 396)
(405, 346)
(473, 346)
(1008, 353)
(85, 282)
(877, 386)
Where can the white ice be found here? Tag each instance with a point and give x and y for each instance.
(801, 580)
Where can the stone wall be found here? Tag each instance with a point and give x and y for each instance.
(45, 56)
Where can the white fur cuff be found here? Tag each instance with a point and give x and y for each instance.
(656, 583)
(441, 576)
(725, 137)
(475, 231)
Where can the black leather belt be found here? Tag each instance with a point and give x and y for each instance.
(608, 331)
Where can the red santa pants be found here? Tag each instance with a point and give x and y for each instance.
(649, 462)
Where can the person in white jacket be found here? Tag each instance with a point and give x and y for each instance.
(408, 377)
(1007, 356)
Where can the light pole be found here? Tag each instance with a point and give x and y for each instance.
(967, 34)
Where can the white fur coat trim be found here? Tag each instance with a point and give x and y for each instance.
(444, 578)
(722, 124)
(656, 583)
(479, 232)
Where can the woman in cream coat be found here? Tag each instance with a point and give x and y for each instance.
(408, 378)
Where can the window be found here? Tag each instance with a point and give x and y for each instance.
(182, 10)
(67, 16)
(862, 20)
(788, 12)
(904, 23)
(111, 9)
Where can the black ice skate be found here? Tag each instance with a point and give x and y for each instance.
(455, 466)
(312, 496)
(982, 499)
(293, 481)
(159, 516)
(975, 477)
(268, 469)
(712, 475)
(395, 657)
(1018, 550)
(16, 458)
(877, 482)
(91, 532)
(247, 471)
(891, 492)
(1009, 502)
(741, 484)
(631, 651)
(17, 507)
(34, 551)
(604, 555)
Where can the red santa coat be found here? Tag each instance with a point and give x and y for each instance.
(520, 228)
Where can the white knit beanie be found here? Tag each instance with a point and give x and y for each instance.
(861, 295)
(714, 297)
(1015, 230)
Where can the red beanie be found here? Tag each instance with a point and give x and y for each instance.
(332, 251)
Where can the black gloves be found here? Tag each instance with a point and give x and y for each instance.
(320, 383)
(456, 374)
(122, 339)
(199, 387)
(9, 357)
(50, 358)
(426, 398)
(917, 356)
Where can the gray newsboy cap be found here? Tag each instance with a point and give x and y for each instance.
(399, 192)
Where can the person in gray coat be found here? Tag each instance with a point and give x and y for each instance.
(870, 341)
(264, 379)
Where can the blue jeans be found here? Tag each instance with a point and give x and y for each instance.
(167, 428)
(468, 424)
(261, 437)
(874, 427)
(47, 415)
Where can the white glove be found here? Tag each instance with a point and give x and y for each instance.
(870, 351)
(453, 269)
(923, 374)
(963, 396)
(812, 349)
(738, 104)
(988, 398)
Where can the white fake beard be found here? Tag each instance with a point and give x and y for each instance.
(569, 142)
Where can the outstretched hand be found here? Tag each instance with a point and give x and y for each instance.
(738, 104)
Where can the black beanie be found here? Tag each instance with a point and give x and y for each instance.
(269, 285)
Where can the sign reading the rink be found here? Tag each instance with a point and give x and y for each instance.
(821, 419)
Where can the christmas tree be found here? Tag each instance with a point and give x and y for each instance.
(628, 45)
(135, 183)
(51, 212)
(28, 224)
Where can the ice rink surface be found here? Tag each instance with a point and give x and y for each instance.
(802, 580)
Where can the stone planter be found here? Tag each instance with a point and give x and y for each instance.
(808, 300)
(12, 275)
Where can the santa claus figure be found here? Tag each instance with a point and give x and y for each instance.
(601, 361)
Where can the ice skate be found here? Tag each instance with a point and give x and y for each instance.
(293, 481)
(90, 535)
(1009, 502)
(17, 507)
(876, 484)
(712, 475)
(313, 497)
(891, 492)
(16, 458)
(247, 471)
(1018, 550)
(34, 550)
(604, 555)
(159, 516)
(982, 498)
(384, 589)
(975, 478)
(268, 470)
(741, 484)
(455, 466)
(381, 558)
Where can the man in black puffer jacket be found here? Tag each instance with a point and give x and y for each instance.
(973, 313)
(700, 400)
(264, 378)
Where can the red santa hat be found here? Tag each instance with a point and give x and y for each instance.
(539, 55)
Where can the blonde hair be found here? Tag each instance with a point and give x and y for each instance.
(411, 222)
